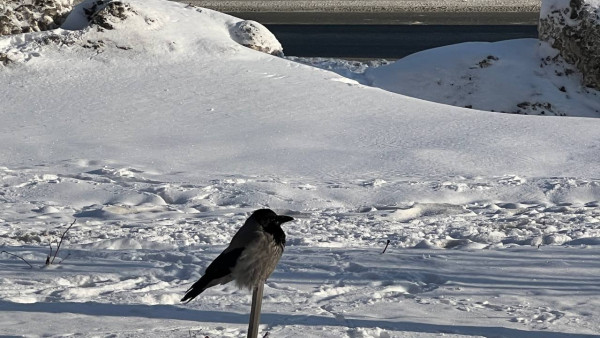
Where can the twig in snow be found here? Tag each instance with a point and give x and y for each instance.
(267, 335)
(386, 245)
(49, 255)
(23, 259)
(59, 243)
(67, 256)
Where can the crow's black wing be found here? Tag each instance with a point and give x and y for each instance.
(218, 272)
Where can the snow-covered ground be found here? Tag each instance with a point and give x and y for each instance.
(161, 135)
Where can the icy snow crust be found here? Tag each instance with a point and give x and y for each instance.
(161, 135)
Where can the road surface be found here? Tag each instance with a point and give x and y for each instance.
(370, 5)
(385, 41)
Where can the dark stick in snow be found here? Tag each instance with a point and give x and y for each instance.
(386, 245)
(257, 296)
(23, 259)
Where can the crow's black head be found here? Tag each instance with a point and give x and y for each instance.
(271, 223)
(268, 218)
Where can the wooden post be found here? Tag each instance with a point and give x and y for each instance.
(257, 296)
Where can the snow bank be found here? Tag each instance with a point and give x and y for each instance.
(109, 15)
(509, 76)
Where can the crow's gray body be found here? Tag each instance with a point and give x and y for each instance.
(250, 257)
(257, 261)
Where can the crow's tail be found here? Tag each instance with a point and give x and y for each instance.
(196, 289)
(218, 272)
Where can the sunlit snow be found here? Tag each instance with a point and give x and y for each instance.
(161, 135)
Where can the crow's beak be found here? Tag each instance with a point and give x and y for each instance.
(283, 219)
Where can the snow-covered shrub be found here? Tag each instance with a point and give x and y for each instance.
(573, 28)
(253, 35)
(23, 16)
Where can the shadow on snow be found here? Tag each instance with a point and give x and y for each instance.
(271, 319)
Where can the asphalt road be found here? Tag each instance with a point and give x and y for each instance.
(388, 35)
(391, 18)
(386, 41)
(330, 6)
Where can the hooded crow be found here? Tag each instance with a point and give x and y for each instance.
(251, 256)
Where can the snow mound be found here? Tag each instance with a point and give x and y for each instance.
(513, 76)
(135, 27)
(253, 35)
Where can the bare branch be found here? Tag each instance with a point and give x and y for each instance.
(61, 240)
(23, 259)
